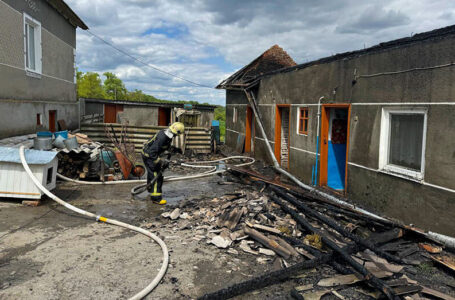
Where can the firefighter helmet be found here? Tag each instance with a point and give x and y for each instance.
(177, 128)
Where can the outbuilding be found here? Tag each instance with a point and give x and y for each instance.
(374, 125)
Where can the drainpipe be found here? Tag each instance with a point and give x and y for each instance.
(315, 167)
(443, 239)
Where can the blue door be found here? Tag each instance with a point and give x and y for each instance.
(336, 152)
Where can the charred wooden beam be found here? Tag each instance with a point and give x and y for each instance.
(271, 244)
(326, 220)
(282, 275)
(371, 279)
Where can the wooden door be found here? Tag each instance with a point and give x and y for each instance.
(249, 127)
(164, 116)
(52, 120)
(110, 113)
(334, 149)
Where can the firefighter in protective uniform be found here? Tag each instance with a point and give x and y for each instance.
(151, 152)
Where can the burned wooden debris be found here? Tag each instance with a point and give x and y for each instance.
(370, 256)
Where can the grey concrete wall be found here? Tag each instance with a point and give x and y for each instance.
(23, 96)
(93, 108)
(410, 201)
(19, 117)
(14, 84)
(57, 80)
(47, 16)
(140, 115)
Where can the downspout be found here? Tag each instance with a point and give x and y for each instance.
(443, 239)
(315, 167)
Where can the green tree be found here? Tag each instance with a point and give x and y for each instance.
(136, 95)
(220, 115)
(89, 85)
(114, 87)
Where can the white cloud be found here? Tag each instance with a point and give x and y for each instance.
(207, 40)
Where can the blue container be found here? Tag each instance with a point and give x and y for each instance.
(108, 157)
(44, 134)
(216, 131)
(63, 134)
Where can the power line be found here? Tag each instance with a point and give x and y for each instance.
(147, 64)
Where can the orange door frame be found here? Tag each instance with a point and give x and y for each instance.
(278, 132)
(325, 118)
(248, 128)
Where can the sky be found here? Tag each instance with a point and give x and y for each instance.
(206, 41)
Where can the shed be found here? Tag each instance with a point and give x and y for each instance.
(14, 181)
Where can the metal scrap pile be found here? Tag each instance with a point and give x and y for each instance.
(295, 232)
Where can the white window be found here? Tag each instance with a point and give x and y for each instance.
(402, 142)
(32, 44)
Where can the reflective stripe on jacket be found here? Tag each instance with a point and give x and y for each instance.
(154, 147)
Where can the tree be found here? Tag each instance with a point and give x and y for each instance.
(89, 85)
(114, 87)
(220, 115)
(136, 95)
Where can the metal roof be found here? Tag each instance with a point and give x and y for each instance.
(155, 104)
(33, 157)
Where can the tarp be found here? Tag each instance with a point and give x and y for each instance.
(33, 157)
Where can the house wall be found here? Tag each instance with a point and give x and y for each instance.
(54, 89)
(140, 115)
(430, 203)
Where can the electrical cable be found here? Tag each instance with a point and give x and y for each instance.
(147, 64)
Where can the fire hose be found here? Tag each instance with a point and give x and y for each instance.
(162, 271)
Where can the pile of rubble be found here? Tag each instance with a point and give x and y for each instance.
(294, 232)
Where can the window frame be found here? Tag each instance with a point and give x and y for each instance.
(384, 144)
(28, 20)
(299, 118)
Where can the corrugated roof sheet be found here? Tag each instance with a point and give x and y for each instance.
(33, 157)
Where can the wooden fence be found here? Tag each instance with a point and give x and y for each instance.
(198, 139)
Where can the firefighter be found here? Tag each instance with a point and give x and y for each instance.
(155, 165)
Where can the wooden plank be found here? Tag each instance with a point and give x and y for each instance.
(264, 228)
(265, 241)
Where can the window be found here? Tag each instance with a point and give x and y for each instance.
(303, 120)
(32, 44)
(402, 145)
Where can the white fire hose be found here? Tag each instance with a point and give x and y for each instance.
(160, 242)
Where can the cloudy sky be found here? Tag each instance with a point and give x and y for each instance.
(206, 40)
